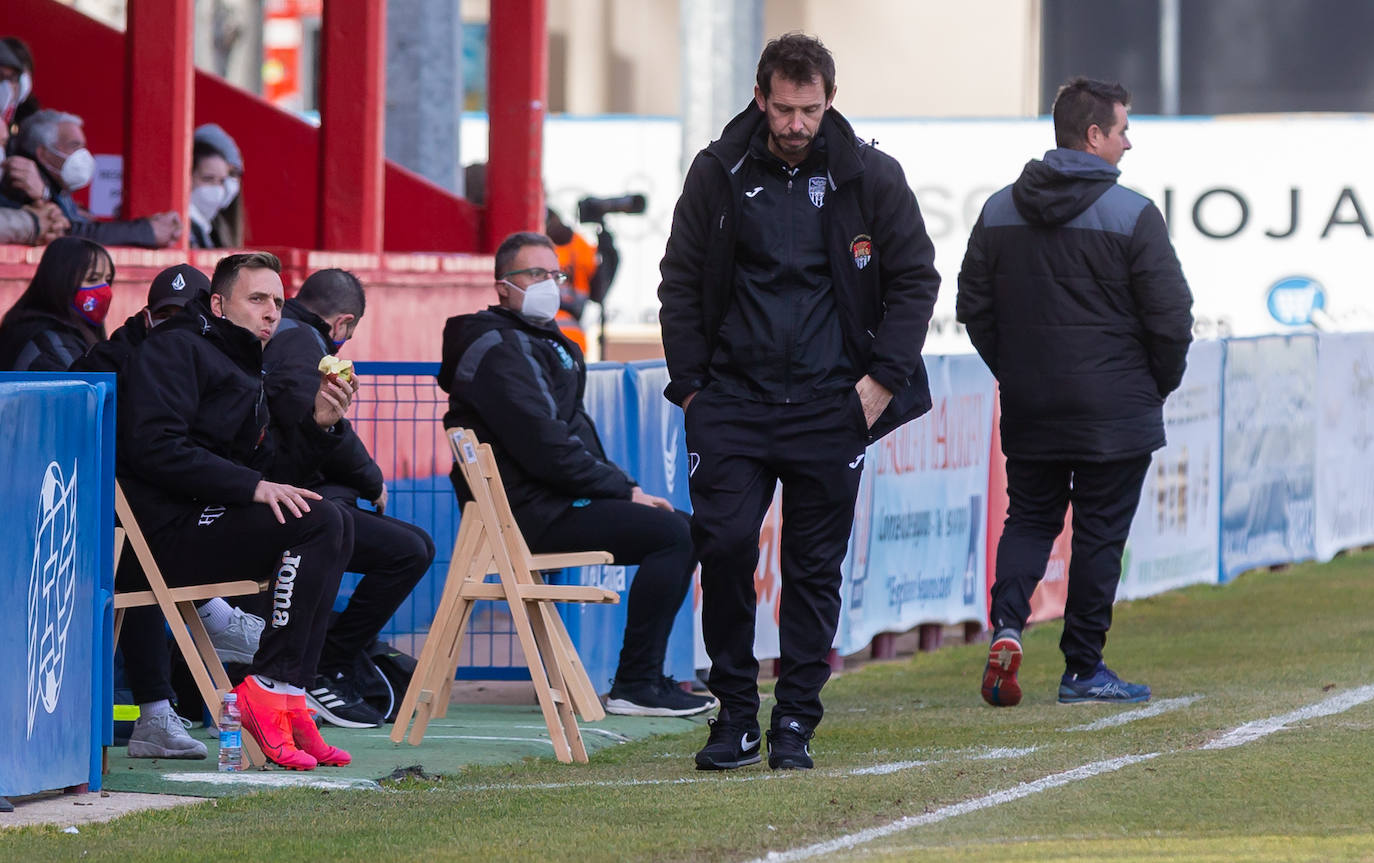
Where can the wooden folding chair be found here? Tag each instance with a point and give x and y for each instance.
(489, 542)
(178, 608)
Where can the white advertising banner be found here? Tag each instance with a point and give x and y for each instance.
(1345, 442)
(1173, 540)
(1268, 236)
(917, 552)
(1269, 391)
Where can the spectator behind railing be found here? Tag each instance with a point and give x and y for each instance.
(41, 222)
(62, 312)
(216, 209)
(56, 146)
(27, 104)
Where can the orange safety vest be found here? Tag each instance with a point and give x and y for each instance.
(577, 258)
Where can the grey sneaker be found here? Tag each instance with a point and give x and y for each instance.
(164, 735)
(239, 641)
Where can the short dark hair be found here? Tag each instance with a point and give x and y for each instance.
(511, 246)
(798, 58)
(1083, 102)
(333, 292)
(227, 270)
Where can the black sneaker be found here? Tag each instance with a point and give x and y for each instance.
(730, 745)
(334, 698)
(787, 745)
(662, 697)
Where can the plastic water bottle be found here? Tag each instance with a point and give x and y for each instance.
(230, 735)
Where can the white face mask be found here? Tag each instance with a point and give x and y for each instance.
(540, 303)
(9, 101)
(25, 86)
(209, 200)
(78, 170)
(231, 190)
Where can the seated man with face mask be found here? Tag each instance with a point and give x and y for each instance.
(55, 146)
(517, 382)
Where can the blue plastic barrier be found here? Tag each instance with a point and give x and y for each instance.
(57, 479)
(659, 462)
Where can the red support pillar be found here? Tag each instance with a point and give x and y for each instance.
(352, 101)
(517, 88)
(157, 90)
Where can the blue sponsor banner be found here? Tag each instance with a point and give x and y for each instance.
(598, 631)
(660, 465)
(1269, 438)
(917, 550)
(56, 475)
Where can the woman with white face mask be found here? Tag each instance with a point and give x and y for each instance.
(216, 211)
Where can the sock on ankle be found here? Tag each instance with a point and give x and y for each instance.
(216, 614)
(277, 686)
(153, 708)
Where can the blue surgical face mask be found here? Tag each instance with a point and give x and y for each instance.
(338, 344)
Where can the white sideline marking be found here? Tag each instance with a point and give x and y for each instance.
(481, 737)
(274, 779)
(983, 755)
(1162, 706)
(1251, 731)
(975, 754)
(1239, 736)
(1025, 789)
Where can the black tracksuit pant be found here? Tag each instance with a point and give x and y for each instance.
(391, 555)
(738, 450)
(660, 543)
(304, 557)
(1104, 497)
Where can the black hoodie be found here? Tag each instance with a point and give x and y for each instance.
(195, 421)
(519, 387)
(292, 361)
(1073, 296)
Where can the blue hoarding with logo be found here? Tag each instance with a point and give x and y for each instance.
(56, 475)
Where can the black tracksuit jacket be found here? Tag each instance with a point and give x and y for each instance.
(519, 387)
(292, 360)
(196, 425)
(1073, 296)
(881, 264)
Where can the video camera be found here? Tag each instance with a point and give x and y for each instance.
(595, 209)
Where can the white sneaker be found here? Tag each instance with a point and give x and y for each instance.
(164, 735)
(239, 640)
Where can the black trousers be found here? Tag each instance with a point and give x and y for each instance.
(738, 450)
(392, 556)
(660, 543)
(1104, 497)
(305, 558)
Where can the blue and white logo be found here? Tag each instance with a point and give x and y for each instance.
(1293, 300)
(52, 589)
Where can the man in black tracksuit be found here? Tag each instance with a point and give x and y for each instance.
(391, 554)
(517, 382)
(798, 285)
(212, 477)
(1074, 298)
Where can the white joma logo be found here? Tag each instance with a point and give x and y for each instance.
(754, 191)
(854, 465)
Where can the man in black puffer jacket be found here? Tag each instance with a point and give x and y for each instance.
(1073, 296)
(798, 284)
(517, 381)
